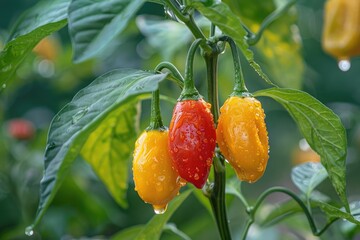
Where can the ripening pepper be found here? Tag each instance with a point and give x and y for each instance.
(242, 137)
(156, 181)
(192, 140)
(341, 32)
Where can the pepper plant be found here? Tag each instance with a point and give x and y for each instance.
(100, 122)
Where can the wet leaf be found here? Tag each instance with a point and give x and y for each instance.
(222, 16)
(322, 129)
(93, 24)
(308, 176)
(103, 100)
(35, 24)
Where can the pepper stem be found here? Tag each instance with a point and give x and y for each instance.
(190, 91)
(239, 87)
(155, 118)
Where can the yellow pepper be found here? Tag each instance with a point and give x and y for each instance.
(156, 181)
(341, 33)
(242, 137)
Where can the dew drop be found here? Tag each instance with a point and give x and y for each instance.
(176, 149)
(208, 162)
(181, 181)
(161, 178)
(344, 65)
(79, 115)
(160, 209)
(196, 176)
(260, 168)
(29, 231)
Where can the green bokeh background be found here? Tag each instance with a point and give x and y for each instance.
(83, 207)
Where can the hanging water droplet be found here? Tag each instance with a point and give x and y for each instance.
(344, 65)
(29, 231)
(79, 115)
(160, 209)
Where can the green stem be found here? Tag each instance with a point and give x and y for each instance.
(211, 73)
(248, 224)
(190, 23)
(217, 197)
(177, 77)
(254, 38)
(155, 118)
(216, 191)
(212, 30)
(189, 91)
(262, 197)
(240, 87)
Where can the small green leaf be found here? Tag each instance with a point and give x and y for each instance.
(72, 126)
(93, 24)
(308, 176)
(333, 212)
(233, 186)
(128, 233)
(174, 230)
(154, 227)
(280, 212)
(322, 129)
(109, 148)
(221, 15)
(38, 22)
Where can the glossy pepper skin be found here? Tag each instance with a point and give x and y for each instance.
(242, 137)
(341, 33)
(156, 181)
(192, 140)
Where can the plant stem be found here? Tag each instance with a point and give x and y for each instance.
(311, 221)
(211, 62)
(190, 23)
(239, 87)
(217, 191)
(248, 224)
(217, 197)
(177, 77)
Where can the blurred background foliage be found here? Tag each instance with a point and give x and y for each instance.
(290, 53)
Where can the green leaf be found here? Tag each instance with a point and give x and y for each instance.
(221, 15)
(38, 22)
(128, 233)
(308, 176)
(233, 186)
(322, 129)
(94, 23)
(91, 106)
(279, 48)
(170, 227)
(280, 212)
(333, 212)
(154, 227)
(109, 148)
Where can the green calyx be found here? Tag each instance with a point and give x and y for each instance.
(189, 91)
(155, 118)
